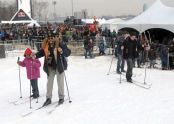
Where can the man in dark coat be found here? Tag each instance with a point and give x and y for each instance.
(171, 55)
(164, 56)
(152, 57)
(88, 46)
(139, 49)
(129, 53)
(119, 53)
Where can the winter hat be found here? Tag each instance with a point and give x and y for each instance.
(27, 52)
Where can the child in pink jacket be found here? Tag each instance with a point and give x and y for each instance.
(33, 71)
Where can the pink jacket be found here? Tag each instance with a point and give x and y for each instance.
(32, 67)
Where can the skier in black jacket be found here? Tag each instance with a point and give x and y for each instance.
(129, 53)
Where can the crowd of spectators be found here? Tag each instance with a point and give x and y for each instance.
(90, 36)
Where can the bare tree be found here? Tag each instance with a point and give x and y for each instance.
(40, 10)
(11, 11)
(7, 10)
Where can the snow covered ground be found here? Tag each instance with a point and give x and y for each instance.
(97, 98)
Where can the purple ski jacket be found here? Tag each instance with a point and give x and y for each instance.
(32, 67)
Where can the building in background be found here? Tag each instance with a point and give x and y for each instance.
(83, 14)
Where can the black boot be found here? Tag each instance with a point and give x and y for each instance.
(118, 72)
(129, 80)
(35, 96)
(61, 101)
(32, 95)
(47, 102)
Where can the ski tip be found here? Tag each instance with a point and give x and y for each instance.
(50, 112)
(26, 114)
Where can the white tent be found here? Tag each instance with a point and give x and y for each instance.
(90, 21)
(157, 16)
(114, 20)
(33, 23)
(112, 24)
(17, 22)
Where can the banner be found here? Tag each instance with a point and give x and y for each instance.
(25, 5)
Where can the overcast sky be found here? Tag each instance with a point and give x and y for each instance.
(105, 7)
(102, 7)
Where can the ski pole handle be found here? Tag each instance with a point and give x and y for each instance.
(18, 59)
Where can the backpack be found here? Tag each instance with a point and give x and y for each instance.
(66, 50)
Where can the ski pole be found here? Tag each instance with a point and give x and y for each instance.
(30, 95)
(168, 64)
(121, 60)
(20, 79)
(30, 83)
(145, 73)
(65, 79)
(110, 65)
(120, 77)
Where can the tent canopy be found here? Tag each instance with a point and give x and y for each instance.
(157, 16)
(90, 21)
(33, 23)
(113, 21)
(112, 24)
